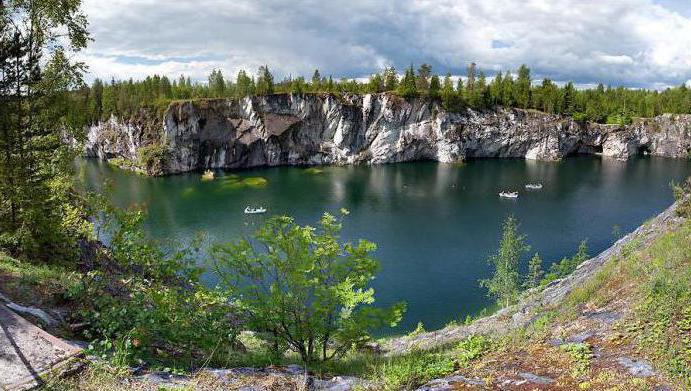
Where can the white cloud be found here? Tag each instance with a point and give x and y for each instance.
(107, 67)
(634, 42)
(611, 59)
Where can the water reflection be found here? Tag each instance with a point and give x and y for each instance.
(435, 224)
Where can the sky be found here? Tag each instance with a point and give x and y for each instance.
(631, 43)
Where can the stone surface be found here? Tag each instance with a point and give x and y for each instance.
(638, 368)
(29, 355)
(340, 383)
(580, 337)
(533, 378)
(310, 129)
(252, 379)
(450, 383)
(35, 312)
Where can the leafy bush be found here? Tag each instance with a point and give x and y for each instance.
(535, 272)
(472, 348)
(581, 355)
(153, 158)
(413, 369)
(301, 288)
(579, 117)
(682, 194)
(147, 303)
(566, 266)
(419, 329)
(619, 119)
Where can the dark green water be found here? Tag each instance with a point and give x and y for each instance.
(435, 224)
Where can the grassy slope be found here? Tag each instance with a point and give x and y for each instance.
(637, 307)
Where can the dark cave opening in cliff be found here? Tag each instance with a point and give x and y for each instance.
(643, 150)
(581, 149)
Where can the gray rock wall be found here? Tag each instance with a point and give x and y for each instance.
(286, 129)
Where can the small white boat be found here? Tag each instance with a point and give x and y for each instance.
(534, 186)
(254, 211)
(508, 194)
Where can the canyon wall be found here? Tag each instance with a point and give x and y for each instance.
(312, 129)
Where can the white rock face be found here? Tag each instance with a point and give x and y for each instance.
(288, 129)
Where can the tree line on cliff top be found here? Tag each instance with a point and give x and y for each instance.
(603, 104)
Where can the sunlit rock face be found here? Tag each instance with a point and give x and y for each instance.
(310, 129)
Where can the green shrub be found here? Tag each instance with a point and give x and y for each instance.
(149, 304)
(581, 354)
(419, 329)
(566, 266)
(619, 119)
(472, 348)
(579, 117)
(304, 290)
(153, 158)
(412, 370)
(682, 194)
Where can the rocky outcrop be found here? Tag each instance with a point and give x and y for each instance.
(290, 129)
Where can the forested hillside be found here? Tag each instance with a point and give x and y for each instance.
(603, 104)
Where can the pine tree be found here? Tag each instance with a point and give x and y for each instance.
(495, 89)
(265, 81)
(243, 84)
(535, 272)
(522, 90)
(316, 81)
(480, 93)
(390, 79)
(375, 83)
(434, 87)
(166, 89)
(448, 95)
(96, 106)
(507, 90)
(217, 84)
(569, 101)
(407, 88)
(422, 80)
(38, 215)
(460, 93)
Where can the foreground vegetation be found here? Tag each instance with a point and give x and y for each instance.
(652, 280)
(507, 282)
(648, 285)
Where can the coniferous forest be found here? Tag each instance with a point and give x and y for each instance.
(602, 104)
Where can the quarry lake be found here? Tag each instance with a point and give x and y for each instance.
(434, 224)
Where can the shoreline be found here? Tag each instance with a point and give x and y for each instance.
(536, 301)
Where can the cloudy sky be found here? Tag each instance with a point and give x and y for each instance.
(635, 43)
